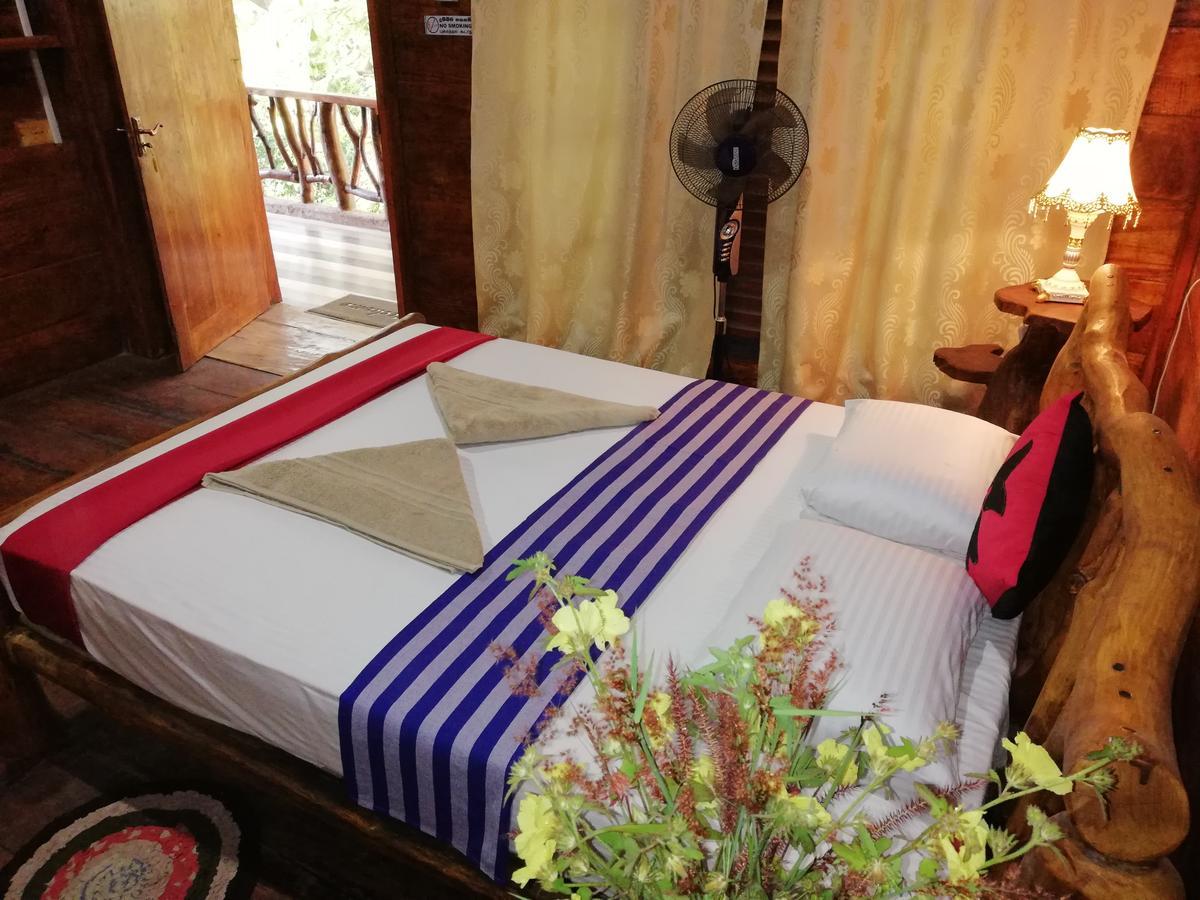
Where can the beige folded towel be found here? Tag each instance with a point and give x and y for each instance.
(410, 497)
(477, 408)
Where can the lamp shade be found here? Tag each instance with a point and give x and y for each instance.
(1093, 178)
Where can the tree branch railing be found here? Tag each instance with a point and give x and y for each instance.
(312, 139)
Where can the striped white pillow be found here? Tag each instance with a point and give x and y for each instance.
(910, 473)
(904, 620)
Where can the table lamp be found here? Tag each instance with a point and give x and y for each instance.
(1092, 179)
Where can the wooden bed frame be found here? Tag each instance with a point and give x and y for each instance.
(1097, 656)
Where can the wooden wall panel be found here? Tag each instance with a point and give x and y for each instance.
(57, 303)
(1166, 174)
(77, 276)
(423, 84)
(1179, 399)
(1173, 368)
(96, 110)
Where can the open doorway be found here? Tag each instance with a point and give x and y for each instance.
(310, 95)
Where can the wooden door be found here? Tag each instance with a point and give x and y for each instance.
(179, 64)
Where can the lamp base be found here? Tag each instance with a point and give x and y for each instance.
(1064, 286)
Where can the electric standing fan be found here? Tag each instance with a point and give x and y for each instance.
(729, 136)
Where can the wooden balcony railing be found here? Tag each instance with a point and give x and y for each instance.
(345, 157)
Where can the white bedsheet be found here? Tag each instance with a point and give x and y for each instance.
(258, 618)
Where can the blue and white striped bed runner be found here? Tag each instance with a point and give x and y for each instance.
(430, 727)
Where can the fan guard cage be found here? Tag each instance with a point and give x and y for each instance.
(719, 110)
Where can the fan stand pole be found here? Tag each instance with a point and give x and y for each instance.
(716, 365)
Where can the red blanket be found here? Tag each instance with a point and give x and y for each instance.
(40, 556)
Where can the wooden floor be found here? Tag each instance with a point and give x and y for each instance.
(73, 423)
(320, 261)
(317, 261)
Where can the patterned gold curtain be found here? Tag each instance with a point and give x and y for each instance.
(583, 238)
(932, 123)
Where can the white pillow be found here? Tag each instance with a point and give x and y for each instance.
(904, 620)
(910, 473)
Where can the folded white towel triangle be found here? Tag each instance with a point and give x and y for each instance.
(410, 497)
(479, 409)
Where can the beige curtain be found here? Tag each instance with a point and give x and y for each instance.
(933, 122)
(583, 238)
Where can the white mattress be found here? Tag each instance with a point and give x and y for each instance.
(258, 618)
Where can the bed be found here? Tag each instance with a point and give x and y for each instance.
(250, 656)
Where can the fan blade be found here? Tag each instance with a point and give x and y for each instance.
(772, 165)
(763, 122)
(698, 156)
(719, 111)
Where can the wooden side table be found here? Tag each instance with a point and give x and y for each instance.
(1014, 379)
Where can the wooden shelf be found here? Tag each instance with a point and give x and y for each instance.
(1033, 307)
(32, 42)
(974, 363)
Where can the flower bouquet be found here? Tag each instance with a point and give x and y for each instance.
(711, 785)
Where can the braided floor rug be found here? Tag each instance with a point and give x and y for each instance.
(183, 845)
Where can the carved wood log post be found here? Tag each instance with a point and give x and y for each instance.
(1015, 387)
(273, 117)
(333, 154)
(260, 133)
(304, 130)
(310, 142)
(302, 165)
(378, 145)
(1114, 672)
(1081, 873)
(356, 139)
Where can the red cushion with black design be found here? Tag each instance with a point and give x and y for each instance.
(1034, 509)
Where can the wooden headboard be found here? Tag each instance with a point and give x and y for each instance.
(1099, 648)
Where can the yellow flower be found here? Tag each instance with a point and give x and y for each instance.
(524, 768)
(703, 771)
(594, 621)
(804, 812)
(559, 773)
(884, 762)
(962, 862)
(779, 611)
(676, 865)
(538, 856)
(830, 757)
(537, 827)
(967, 851)
(660, 702)
(536, 814)
(1031, 763)
(612, 746)
(784, 623)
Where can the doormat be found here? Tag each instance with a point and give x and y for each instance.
(183, 845)
(357, 308)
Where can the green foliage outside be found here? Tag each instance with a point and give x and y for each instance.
(321, 46)
(306, 45)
